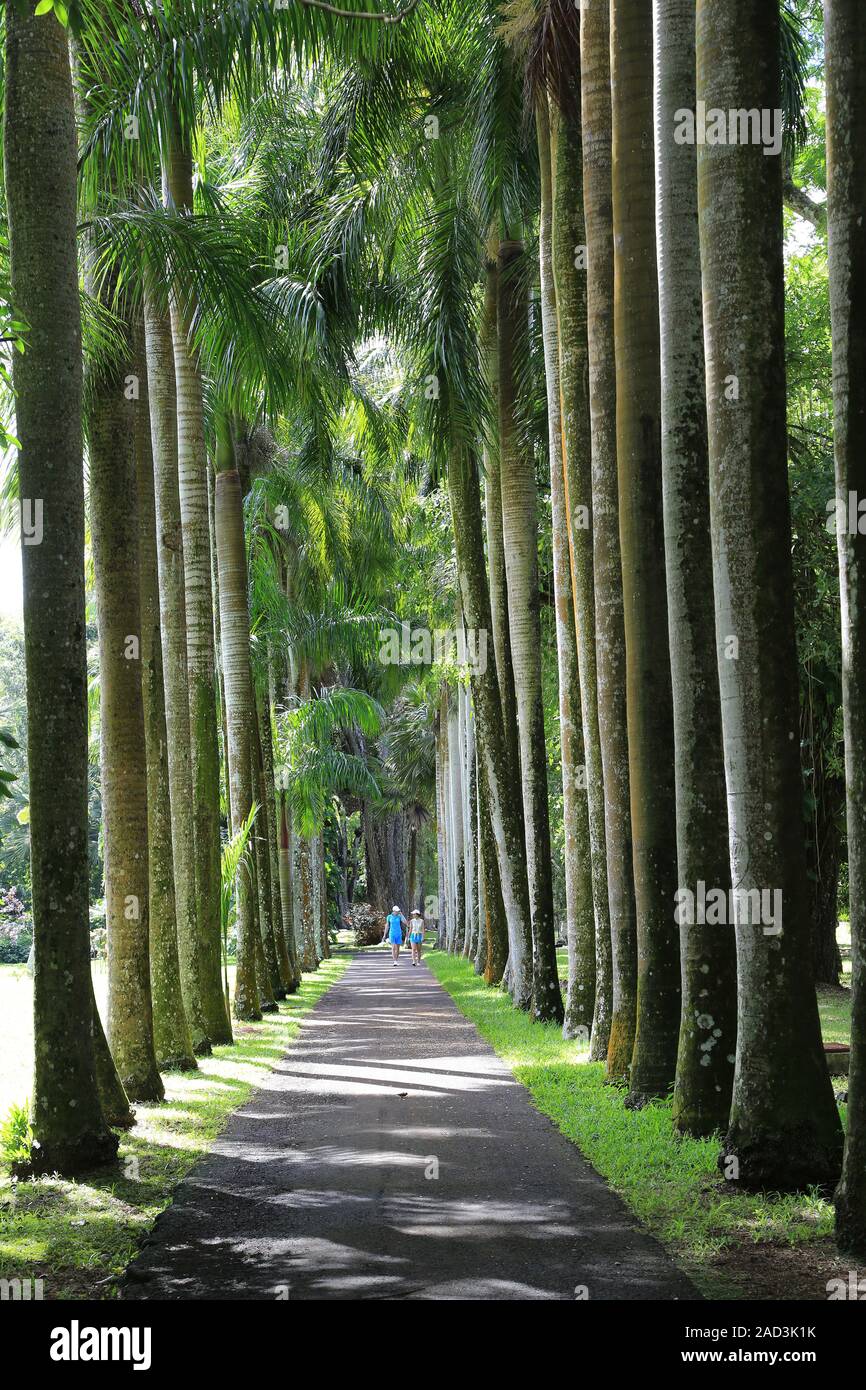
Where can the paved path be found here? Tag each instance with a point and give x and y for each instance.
(322, 1186)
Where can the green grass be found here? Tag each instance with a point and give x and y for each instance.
(671, 1183)
(79, 1236)
(834, 1005)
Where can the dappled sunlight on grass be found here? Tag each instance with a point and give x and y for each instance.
(79, 1236)
(671, 1183)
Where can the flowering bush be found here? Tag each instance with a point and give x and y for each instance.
(11, 905)
(16, 938)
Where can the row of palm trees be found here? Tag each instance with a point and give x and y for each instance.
(210, 634)
(660, 285)
(639, 282)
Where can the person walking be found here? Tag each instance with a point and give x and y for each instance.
(394, 924)
(416, 935)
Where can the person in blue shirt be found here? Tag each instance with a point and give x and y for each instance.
(394, 924)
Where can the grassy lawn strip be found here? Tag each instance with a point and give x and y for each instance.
(78, 1237)
(671, 1184)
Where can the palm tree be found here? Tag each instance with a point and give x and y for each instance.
(705, 1071)
(171, 1033)
(69, 1128)
(192, 480)
(112, 391)
(172, 601)
(270, 840)
(520, 539)
(784, 1126)
(580, 921)
(846, 118)
(638, 433)
(240, 702)
(569, 232)
(607, 565)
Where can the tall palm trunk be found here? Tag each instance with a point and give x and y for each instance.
(192, 479)
(263, 867)
(596, 117)
(305, 934)
(569, 231)
(784, 1127)
(323, 898)
(287, 907)
(708, 1031)
(240, 707)
(264, 975)
(172, 605)
(316, 880)
(638, 434)
(114, 536)
(470, 886)
(500, 770)
(580, 921)
(412, 871)
(40, 162)
(480, 960)
(455, 824)
(170, 1029)
(520, 538)
(498, 583)
(495, 954)
(303, 903)
(269, 833)
(447, 824)
(846, 150)
(441, 863)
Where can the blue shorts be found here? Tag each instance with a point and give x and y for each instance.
(395, 936)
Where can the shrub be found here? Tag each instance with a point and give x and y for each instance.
(16, 938)
(368, 924)
(16, 1136)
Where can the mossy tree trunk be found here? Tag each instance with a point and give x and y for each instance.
(303, 903)
(708, 1029)
(569, 233)
(455, 824)
(171, 1033)
(265, 750)
(784, 1129)
(441, 864)
(287, 910)
(204, 744)
(596, 117)
(240, 708)
(263, 870)
(520, 538)
(500, 771)
(172, 605)
(579, 910)
(40, 163)
(638, 434)
(846, 150)
(495, 925)
(114, 538)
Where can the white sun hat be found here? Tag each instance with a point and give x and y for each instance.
(395, 908)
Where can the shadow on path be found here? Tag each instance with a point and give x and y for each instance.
(391, 1154)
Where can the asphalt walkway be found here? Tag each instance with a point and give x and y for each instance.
(392, 1155)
